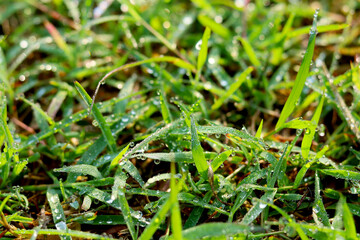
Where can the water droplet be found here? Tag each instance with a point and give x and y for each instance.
(198, 45)
(262, 205)
(24, 44)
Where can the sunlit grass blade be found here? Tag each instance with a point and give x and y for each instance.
(319, 212)
(300, 78)
(203, 52)
(98, 117)
(116, 160)
(258, 132)
(250, 52)
(219, 159)
(198, 152)
(81, 168)
(57, 211)
(235, 86)
(310, 132)
(320, 29)
(214, 26)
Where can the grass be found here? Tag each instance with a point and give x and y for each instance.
(179, 120)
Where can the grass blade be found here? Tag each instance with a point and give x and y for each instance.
(250, 52)
(300, 78)
(215, 231)
(319, 212)
(348, 219)
(203, 52)
(214, 26)
(233, 87)
(341, 173)
(57, 212)
(198, 152)
(310, 132)
(98, 117)
(81, 168)
(176, 223)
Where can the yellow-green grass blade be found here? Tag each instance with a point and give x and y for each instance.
(250, 52)
(310, 132)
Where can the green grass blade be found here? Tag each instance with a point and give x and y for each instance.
(250, 52)
(196, 213)
(158, 218)
(319, 211)
(310, 132)
(81, 168)
(98, 117)
(343, 174)
(164, 107)
(132, 170)
(279, 168)
(215, 231)
(214, 26)
(198, 152)
(119, 185)
(203, 52)
(118, 157)
(258, 208)
(57, 212)
(300, 78)
(348, 219)
(258, 132)
(233, 87)
(219, 159)
(320, 29)
(176, 223)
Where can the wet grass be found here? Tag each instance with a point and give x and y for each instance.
(179, 120)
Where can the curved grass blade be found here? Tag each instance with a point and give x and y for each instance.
(98, 117)
(233, 87)
(310, 132)
(300, 78)
(203, 52)
(81, 168)
(132, 170)
(57, 212)
(198, 152)
(219, 159)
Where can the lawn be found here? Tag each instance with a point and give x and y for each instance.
(203, 119)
